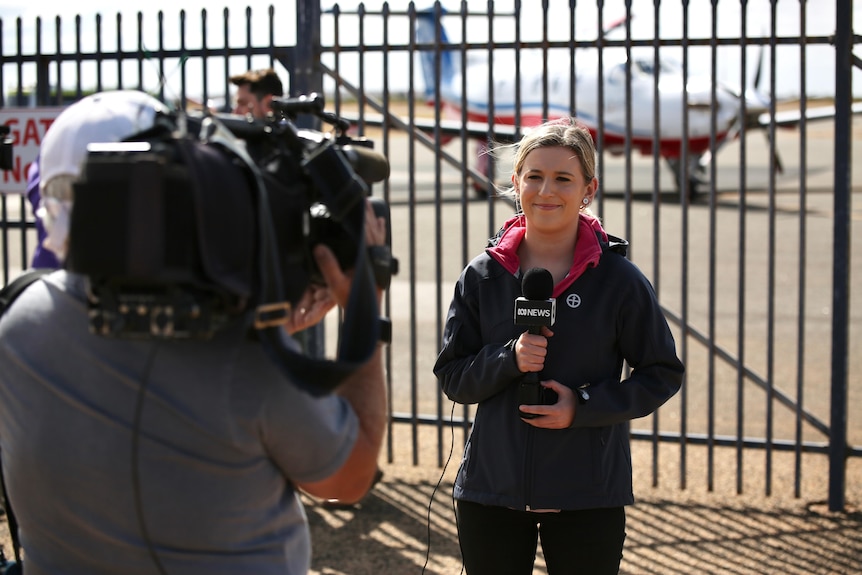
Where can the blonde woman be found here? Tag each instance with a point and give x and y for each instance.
(559, 470)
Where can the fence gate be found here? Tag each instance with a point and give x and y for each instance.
(738, 206)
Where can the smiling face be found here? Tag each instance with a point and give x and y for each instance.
(551, 186)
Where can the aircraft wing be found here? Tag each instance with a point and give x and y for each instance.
(447, 128)
(791, 118)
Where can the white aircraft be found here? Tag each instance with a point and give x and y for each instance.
(515, 110)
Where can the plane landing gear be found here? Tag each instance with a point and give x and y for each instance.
(695, 180)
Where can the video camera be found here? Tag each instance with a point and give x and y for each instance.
(187, 224)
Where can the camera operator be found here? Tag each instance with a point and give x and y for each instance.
(175, 456)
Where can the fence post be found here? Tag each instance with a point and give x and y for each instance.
(305, 78)
(841, 257)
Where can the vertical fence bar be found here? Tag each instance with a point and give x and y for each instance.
(182, 63)
(43, 85)
(411, 208)
(803, 260)
(439, 55)
(248, 37)
(466, 254)
(119, 51)
(141, 50)
(307, 77)
(58, 91)
(387, 198)
(518, 86)
(771, 264)
(22, 201)
(226, 51)
(600, 97)
(361, 53)
(740, 332)
(160, 55)
(270, 11)
(713, 192)
(656, 206)
(336, 50)
(685, 194)
(79, 93)
(627, 146)
(545, 71)
(99, 56)
(205, 65)
(573, 70)
(841, 257)
(492, 167)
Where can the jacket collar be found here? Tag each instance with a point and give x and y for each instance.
(588, 249)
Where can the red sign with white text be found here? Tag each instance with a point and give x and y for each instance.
(27, 130)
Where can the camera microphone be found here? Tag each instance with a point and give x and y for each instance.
(368, 164)
(536, 308)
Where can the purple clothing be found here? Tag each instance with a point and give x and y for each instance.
(42, 257)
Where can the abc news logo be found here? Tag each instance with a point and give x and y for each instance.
(535, 312)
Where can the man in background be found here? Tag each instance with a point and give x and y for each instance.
(255, 91)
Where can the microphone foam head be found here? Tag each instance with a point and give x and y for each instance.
(538, 283)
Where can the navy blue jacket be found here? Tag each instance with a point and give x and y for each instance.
(607, 316)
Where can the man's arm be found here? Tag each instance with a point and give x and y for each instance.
(365, 390)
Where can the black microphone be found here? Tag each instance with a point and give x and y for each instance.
(368, 164)
(534, 309)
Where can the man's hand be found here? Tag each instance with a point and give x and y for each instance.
(317, 300)
(310, 309)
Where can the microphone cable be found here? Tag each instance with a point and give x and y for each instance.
(434, 492)
(136, 473)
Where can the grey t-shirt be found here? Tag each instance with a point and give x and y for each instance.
(222, 434)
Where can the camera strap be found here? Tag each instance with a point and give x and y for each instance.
(360, 329)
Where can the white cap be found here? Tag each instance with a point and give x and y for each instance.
(99, 118)
(102, 117)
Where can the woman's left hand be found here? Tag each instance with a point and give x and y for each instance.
(557, 416)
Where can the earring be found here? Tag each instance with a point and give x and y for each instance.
(586, 201)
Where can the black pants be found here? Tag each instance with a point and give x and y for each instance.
(502, 541)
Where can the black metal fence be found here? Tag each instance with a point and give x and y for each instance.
(747, 240)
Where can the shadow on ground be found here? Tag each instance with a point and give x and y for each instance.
(389, 533)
